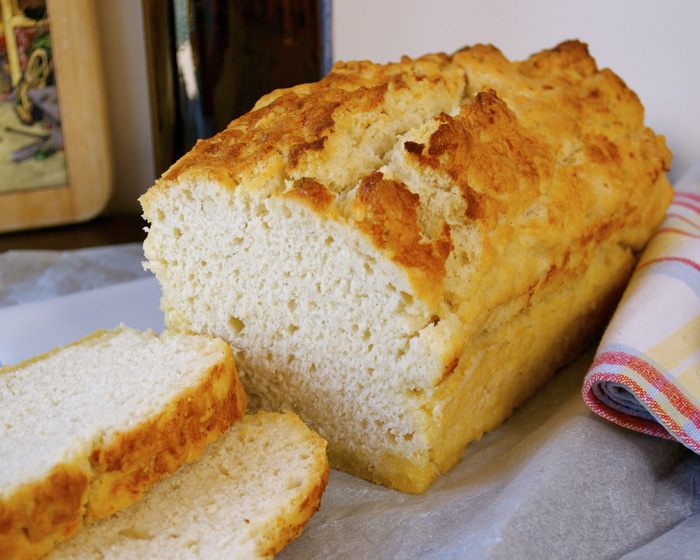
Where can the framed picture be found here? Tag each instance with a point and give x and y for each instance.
(55, 162)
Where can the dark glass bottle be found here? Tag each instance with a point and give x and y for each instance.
(210, 60)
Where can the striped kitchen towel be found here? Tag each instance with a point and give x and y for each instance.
(646, 374)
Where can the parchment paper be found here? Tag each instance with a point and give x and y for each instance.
(554, 481)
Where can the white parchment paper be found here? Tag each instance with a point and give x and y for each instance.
(35, 275)
(554, 481)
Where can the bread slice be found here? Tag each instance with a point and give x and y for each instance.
(403, 253)
(86, 429)
(247, 497)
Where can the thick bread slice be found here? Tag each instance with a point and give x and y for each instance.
(403, 253)
(86, 429)
(247, 497)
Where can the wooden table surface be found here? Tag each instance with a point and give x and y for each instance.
(104, 230)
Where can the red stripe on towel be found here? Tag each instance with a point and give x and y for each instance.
(633, 422)
(685, 204)
(688, 194)
(655, 378)
(678, 231)
(681, 260)
(620, 418)
(683, 218)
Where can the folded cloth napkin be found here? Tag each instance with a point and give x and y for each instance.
(646, 373)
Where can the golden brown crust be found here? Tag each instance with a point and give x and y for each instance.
(300, 133)
(40, 515)
(496, 164)
(313, 194)
(549, 159)
(550, 330)
(386, 211)
(290, 528)
(557, 160)
(552, 133)
(134, 461)
(294, 124)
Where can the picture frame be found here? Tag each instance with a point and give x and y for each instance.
(82, 109)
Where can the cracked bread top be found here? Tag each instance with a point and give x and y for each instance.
(482, 178)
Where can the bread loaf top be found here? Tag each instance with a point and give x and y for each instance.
(449, 164)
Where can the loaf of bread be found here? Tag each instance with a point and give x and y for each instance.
(249, 495)
(403, 253)
(86, 429)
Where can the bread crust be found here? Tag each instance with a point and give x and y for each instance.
(501, 149)
(289, 529)
(221, 506)
(117, 472)
(291, 524)
(554, 185)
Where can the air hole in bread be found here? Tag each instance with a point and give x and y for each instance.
(329, 240)
(135, 533)
(235, 324)
(237, 240)
(292, 304)
(291, 329)
(262, 210)
(177, 233)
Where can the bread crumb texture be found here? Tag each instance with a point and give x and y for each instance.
(86, 429)
(402, 253)
(247, 497)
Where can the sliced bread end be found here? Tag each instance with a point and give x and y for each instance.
(247, 497)
(88, 428)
